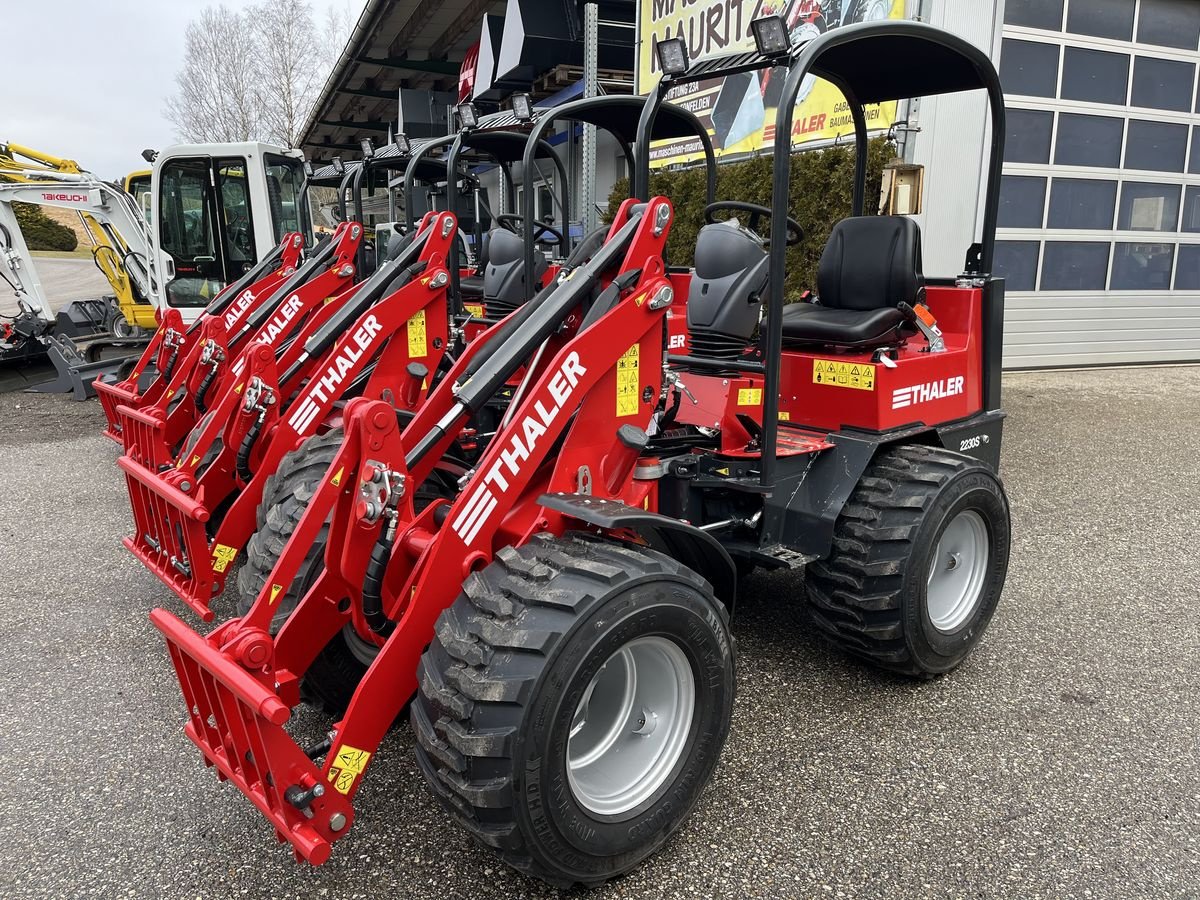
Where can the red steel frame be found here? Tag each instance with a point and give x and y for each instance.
(239, 683)
(173, 510)
(171, 341)
(152, 432)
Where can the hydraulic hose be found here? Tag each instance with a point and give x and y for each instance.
(202, 390)
(170, 367)
(243, 454)
(372, 589)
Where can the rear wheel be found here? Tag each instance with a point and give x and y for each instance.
(920, 554)
(574, 704)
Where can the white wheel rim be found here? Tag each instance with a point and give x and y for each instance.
(631, 726)
(957, 571)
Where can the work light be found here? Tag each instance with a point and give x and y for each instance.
(402, 144)
(339, 166)
(308, 169)
(368, 147)
(468, 117)
(522, 107)
(672, 56)
(771, 36)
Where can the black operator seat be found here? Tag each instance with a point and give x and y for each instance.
(870, 264)
(726, 290)
(504, 275)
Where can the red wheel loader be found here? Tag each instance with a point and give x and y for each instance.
(172, 342)
(561, 623)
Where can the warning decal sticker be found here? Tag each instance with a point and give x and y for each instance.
(348, 763)
(749, 397)
(860, 376)
(222, 556)
(417, 345)
(627, 381)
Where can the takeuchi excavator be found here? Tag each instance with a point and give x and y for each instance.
(172, 237)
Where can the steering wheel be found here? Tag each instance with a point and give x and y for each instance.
(514, 223)
(795, 233)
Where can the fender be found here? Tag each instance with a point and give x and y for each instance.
(679, 540)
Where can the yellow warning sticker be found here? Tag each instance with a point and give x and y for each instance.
(749, 397)
(475, 309)
(195, 459)
(627, 381)
(860, 376)
(275, 591)
(222, 556)
(785, 417)
(238, 389)
(336, 480)
(417, 345)
(348, 764)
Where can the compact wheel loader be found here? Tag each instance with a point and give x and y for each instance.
(558, 623)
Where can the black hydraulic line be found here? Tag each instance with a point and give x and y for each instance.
(202, 389)
(372, 587)
(242, 462)
(170, 366)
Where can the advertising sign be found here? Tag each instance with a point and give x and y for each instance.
(739, 111)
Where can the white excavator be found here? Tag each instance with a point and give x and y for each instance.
(215, 209)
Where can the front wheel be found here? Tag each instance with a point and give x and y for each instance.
(574, 703)
(920, 553)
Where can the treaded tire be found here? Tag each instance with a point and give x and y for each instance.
(500, 683)
(869, 596)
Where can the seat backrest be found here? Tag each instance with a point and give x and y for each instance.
(504, 275)
(871, 262)
(725, 293)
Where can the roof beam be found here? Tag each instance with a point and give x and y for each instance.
(354, 126)
(432, 66)
(468, 19)
(370, 92)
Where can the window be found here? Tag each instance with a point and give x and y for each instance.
(235, 207)
(1162, 83)
(1191, 211)
(1080, 203)
(1194, 164)
(1101, 18)
(1029, 68)
(1169, 23)
(1156, 146)
(1074, 266)
(285, 184)
(1149, 207)
(1095, 76)
(1016, 262)
(1088, 141)
(1022, 201)
(1046, 14)
(1142, 267)
(1187, 272)
(1027, 135)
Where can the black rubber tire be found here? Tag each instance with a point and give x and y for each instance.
(500, 683)
(285, 497)
(869, 596)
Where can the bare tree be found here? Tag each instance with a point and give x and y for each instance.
(291, 69)
(338, 25)
(216, 99)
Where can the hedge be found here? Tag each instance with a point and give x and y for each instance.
(822, 188)
(40, 231)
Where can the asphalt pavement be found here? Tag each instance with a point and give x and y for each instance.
(1063, 759)
(63, 280)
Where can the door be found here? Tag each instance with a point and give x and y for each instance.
(205, 227)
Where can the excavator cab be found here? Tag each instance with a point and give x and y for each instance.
(216, 209)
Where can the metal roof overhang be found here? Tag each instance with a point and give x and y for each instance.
(418, 44)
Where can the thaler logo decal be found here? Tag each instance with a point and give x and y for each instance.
(520, 447)
(275, 327)
(923, 393)
(322, 388)
(245, 298)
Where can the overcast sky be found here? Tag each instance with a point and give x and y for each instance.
(88, 80)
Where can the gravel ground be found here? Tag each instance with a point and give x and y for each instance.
(1060, 760)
